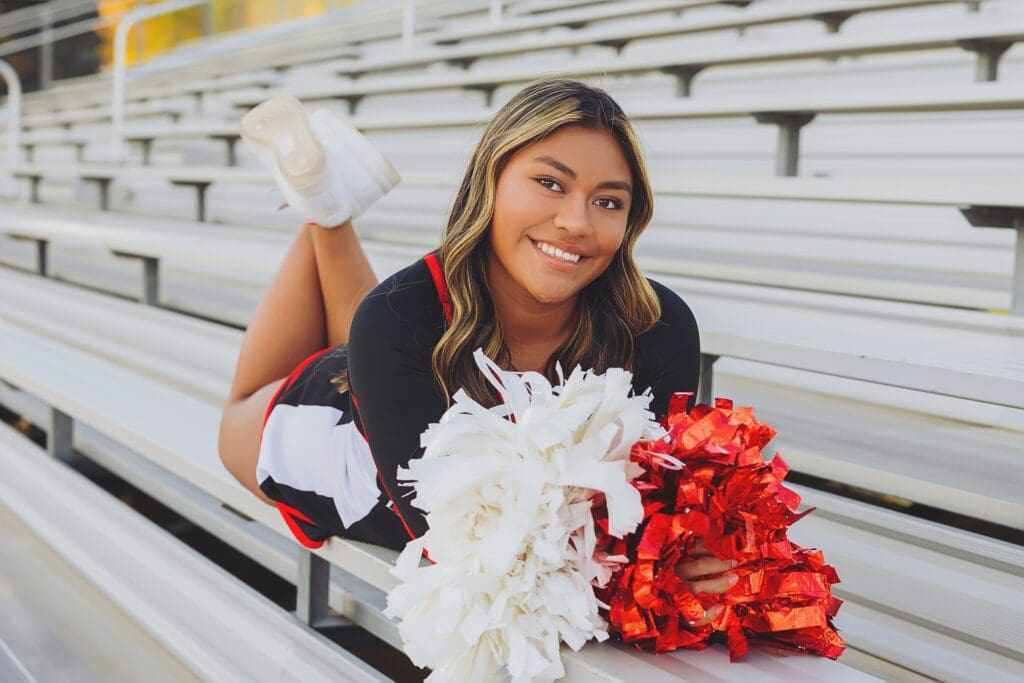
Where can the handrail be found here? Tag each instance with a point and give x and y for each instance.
(129, 19)
(137, 15)
(55, 34)
(10, 76)
(408, 25)
(38, 16)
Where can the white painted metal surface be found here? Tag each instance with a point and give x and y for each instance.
(55, 624)
(218, 627)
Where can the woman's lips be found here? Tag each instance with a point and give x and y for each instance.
(555, 262)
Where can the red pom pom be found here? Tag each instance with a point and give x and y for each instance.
(736, 502)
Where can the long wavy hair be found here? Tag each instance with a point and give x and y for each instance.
(613, 309)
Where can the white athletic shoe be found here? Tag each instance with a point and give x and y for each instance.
(325, 167)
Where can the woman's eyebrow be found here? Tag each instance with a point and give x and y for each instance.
(611, 184)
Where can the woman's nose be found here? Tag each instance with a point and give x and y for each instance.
(574, 217)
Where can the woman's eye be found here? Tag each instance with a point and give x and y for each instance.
(549, 180)
(616, 203)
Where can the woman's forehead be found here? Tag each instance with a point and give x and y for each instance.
(576, 151)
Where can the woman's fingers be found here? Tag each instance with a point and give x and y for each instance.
(709, 616)
(702, 566)
(718, 585)
(702, 563)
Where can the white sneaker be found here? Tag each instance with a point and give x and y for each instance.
(326, 168)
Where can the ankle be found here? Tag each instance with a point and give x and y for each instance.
(346, 225)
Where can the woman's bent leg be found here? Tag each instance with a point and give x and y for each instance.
(308, 305)
(288, 324)
(345, 276)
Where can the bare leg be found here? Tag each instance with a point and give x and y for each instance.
(345, 277)
(305, 308)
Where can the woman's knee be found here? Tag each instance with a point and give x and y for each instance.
(238, 440)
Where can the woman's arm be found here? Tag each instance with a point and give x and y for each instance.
(395, 394)
(667, 357)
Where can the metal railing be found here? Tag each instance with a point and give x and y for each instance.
(124, 25)
(42, 17)
(10, 77)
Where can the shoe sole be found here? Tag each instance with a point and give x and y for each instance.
(370, 158)
(280, 126)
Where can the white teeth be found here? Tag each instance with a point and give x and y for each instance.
(558, 253)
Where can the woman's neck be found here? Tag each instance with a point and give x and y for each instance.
(532, 330)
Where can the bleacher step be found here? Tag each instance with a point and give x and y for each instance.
(219, 628)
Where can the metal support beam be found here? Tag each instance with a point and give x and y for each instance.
(787, 152)
(41, 250)
(59, 435)
(230, 157)
(704, 387)
(487, 89)
(103, 183)
(147, 147)
(46, 50)
(460, 62)
(312, 589)
(989, 52)
(42, 257)
(200, 196)
(353, 102)
(617, 44)
(684, 74)
(1011, 217)
(833, 20)
(150, 276)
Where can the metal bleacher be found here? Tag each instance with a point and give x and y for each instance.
(856, 267)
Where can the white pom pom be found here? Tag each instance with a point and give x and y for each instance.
(511, 533)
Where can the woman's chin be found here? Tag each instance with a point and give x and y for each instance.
(554, 295)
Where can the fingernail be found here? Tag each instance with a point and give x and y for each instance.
(733, 563)
(733, 578)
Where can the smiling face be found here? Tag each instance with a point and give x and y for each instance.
(560, 215)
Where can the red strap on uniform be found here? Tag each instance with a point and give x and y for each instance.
(442, 288)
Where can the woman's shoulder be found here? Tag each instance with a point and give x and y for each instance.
(676, 314)
(407, 300)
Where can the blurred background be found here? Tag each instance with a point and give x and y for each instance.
(839, 198)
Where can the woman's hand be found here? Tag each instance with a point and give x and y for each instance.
(703, 563)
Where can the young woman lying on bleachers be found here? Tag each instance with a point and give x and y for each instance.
(338, 375)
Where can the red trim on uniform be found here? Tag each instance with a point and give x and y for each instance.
(394, 507)
(442, 289)
(289, 513)
(287, 383)
(380, 477)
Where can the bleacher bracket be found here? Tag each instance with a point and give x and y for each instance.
(787, 152)
(1004, 217)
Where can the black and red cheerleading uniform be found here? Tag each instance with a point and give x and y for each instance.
(329, 460)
